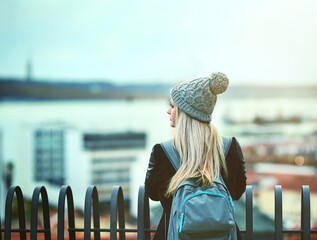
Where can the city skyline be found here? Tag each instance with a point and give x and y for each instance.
(137, 42)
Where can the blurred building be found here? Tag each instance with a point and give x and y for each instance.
(265, 176)
(81, 144)
(58, 154)
(110, 156)
(301, 151)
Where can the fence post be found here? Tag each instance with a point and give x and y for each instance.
(117, 207)
(249, 213)
(278, 213)
(91, 196)
(305, 213)
(8, 213)
(34, 213)
(143, 215)
(65, 191)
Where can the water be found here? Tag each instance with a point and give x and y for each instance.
(244, 111)
(150, 116)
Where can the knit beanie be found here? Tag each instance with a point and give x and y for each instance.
(198, 97)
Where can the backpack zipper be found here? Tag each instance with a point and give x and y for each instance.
(196, 194)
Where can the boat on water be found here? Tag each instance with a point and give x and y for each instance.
(261, 120)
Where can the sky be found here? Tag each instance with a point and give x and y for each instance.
(253, 42)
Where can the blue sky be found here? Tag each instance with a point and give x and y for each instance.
(259, 42)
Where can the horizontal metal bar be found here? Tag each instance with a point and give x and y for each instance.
(27, 230)
(108, 230)
(154, 230)
(91, 229)
(312, 231)
(293, 231)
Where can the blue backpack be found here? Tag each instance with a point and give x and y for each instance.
(199, 212)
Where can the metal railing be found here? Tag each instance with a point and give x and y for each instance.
(117, 218)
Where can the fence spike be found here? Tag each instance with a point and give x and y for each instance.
(34, 213)
(143, 215)
(8, 213)
(117, 207)
(91, 196)
(249, 212)
(65, 191)
(278, 213)
(305, 213)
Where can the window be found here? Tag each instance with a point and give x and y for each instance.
(49, 159)
(127, 140)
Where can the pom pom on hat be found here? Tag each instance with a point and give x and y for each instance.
(218, 83)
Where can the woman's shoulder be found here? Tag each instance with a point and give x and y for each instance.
(235, 151)
(157, 148)
(157, 151)
(235, 143)
(162, 161)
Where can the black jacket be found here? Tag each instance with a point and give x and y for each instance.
(160, 171)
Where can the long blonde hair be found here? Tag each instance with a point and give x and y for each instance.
(201, 151)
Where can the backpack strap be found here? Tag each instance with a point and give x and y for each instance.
(226, 145)
(173, 154)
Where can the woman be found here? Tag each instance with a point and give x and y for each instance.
(199, 145)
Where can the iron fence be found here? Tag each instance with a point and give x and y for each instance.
(117, 218)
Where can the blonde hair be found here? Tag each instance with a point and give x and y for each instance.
(201, 151)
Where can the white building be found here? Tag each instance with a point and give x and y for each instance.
(56, 155)
(79, 151)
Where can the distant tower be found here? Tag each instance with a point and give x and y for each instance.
(29, 71)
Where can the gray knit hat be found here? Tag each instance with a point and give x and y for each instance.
(198, 97)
